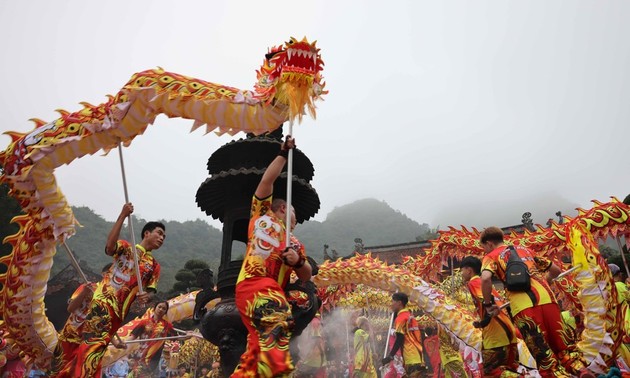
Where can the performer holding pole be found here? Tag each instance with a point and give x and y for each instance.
(259, 296)
(115, 293)
(134, 269)
(408, 338)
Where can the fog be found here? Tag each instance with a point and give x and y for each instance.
(452, 112)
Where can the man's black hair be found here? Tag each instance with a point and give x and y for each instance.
(401, 297)
(106, 267)
(472, 262)
(152, 226)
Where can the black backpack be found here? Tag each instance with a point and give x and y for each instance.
(517, 276)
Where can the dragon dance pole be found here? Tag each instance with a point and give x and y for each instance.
(156, 339)
(74, 262)
(347, 341)
(623, 257)
(129, 220)
(289, 188)
(452, 277)
(569, 271)
(389, 330)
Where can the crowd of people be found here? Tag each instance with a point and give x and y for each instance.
(530, 312)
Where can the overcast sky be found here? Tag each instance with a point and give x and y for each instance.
(453, 112)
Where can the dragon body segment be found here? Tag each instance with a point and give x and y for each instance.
(591, 290)
(603, 219)
(603, 333)
(363, 269)
(288, 84)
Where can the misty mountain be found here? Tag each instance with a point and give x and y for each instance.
(369, 219)
(373, 221)
(483, 212)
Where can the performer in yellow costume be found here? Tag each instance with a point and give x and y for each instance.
(363, 360)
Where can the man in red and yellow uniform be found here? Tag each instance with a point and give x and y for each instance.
(156, 326)
(535, 312)
(115, 293)
(268, 264)
(408, 338)
(499, 343)
(71, 335)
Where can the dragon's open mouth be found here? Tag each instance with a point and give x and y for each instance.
(300, 60)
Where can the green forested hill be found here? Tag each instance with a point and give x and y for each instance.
(373, 221)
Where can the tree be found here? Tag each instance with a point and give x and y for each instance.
(196, 266)
(186, 278)
(607, 252)
(429, 234)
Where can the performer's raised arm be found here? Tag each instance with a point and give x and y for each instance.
(265, 187)
(114, 234)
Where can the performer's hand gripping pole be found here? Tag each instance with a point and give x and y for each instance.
(129, 220)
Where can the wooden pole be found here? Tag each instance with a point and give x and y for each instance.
(289, 188)
(156, 339)
(578, 266)
(130, 222)
(74, 262)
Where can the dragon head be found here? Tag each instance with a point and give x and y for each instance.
(291, 76)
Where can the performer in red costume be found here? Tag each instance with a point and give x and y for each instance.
(259, 296)
(155, 326)
(115, 293)
(70, 335)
